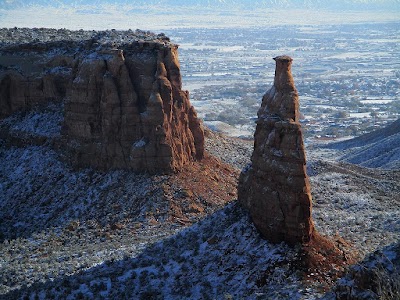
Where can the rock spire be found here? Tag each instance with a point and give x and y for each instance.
(275, 187)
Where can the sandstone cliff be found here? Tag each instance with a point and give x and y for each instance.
(33, 74)
(124, 103)
(275, 187)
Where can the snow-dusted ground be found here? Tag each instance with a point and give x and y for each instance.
(40, 122)
(378, 274)
(222, 256)
(73, 234)
(15, 35)
(384, 154)
(76, 234)
(378, 149)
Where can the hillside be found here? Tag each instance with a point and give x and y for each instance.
(82, 233)
(95, 231)
(377, 149)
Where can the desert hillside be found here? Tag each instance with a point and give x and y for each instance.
(92, 234)
(377, 149)
(91, 231)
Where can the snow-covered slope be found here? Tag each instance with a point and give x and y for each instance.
(377, 277)
(377, 149)
(382, 154)
(222, 257)
(369, 138)
(83, 234)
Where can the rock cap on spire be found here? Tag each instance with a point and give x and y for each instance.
(283, 58)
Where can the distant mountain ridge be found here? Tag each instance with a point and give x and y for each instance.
(319, 4)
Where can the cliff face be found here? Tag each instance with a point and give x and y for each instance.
(275, 187)
(124, 105)
(33, 74)
(127, 109)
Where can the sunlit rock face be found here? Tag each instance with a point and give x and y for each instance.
(275, 187)
(127, 110)
(124, 103)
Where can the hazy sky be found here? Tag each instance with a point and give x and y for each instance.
(167, 14)
(360, 4)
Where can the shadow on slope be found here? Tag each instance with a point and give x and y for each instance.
(377, 149)
(377, 277)
(220, 257)
(369, 138)
(39, 191)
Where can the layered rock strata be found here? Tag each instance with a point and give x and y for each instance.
(275, 187)
(124, 103)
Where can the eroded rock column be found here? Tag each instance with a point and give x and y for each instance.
(275, 187)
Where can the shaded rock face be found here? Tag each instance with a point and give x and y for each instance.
(124, 103)
(275, 187)
(30, 77)
(127, 110)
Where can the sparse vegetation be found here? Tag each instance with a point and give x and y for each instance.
(84, 234)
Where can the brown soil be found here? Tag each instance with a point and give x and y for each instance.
(325, 259)
(199, 188)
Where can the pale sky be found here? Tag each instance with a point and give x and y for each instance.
(106, 16)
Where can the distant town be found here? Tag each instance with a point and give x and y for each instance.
(347, 76)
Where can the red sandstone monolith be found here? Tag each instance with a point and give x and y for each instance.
(275, 187)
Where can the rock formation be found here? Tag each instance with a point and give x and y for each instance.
(124, 103)
(275, 187)
(30, 76)
(127, 110)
